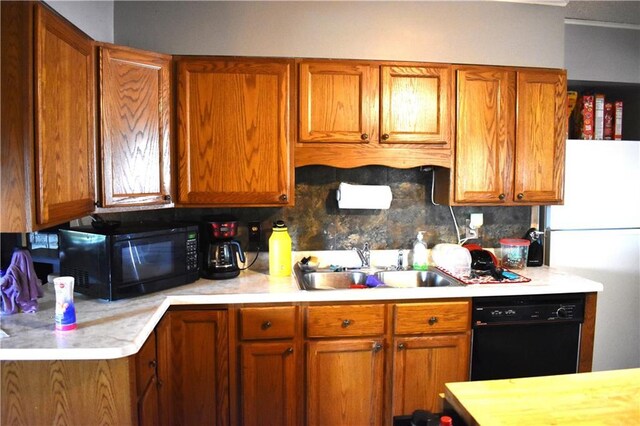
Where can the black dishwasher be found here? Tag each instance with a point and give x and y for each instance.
(525, 336)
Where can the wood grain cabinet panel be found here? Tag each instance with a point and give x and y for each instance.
(421, 367)
(485, 135)
(338, 102)
(270, 384)
(48, 118)
(278, 322)
(427, 318)
(345, 320)
(345, 382)
(193, 367)
(540, 137)
(510, 138)
(414, 104)
(356, 113)
(234, 132)
(135, 116)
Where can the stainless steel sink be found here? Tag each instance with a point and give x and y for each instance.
(412, 279)
(331, 280)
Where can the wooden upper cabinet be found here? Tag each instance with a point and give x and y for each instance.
(234, 132)
(338, 102)
(355, 113)
(135, 114)
(510, 138)
(414, 104)
(541, 136)
(65, 119)
(485, 134)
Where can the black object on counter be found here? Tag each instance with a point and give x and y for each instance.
(536, 253)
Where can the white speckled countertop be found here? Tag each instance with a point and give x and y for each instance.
(117, 329)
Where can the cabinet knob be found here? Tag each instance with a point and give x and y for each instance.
(346, 323)
(289, 350)
(377, 346)
(520, 196)
(167, 197)
(98, 203)
(501, 197)
(266, 325)
(401, 346)
(152, 363)
(364, 136)
(284, 198)
(433, 320)
(385, 136)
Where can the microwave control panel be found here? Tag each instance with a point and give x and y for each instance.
(192, 251)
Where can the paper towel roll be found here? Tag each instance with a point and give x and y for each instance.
(364, 196)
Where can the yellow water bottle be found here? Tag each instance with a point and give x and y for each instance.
(280, 251)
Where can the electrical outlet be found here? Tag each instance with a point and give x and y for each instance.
(255, 234)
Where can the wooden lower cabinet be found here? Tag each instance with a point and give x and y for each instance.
(421, 367)
(269, 384)
(193, 367)
(345, 382)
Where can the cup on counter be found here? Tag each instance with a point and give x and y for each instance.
(514, 253)
(65, 316)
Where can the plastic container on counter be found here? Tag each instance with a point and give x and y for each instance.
(514, 253)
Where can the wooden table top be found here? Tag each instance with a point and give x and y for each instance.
(599, 398)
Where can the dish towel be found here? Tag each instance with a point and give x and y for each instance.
(20, 288)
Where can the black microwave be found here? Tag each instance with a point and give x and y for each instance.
(129, 260)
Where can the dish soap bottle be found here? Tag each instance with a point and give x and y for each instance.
(420, 253)
(279, 251)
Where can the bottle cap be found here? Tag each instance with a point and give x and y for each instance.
(279, 224)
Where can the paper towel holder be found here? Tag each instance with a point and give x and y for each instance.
(373, 197)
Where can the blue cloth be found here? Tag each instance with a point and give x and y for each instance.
(20, 288)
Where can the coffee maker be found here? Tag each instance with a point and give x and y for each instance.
(220, 250)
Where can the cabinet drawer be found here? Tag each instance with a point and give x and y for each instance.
(345, 320)
(267, 323)
(146, 363)
(442, 317)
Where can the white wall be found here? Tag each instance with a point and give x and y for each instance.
(93, 17)
(460, 32)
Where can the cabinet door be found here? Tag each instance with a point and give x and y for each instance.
(269, 384)
(148, 410)
(345, 382)
(135, 113)
(421, 367)
(338, 102)
(193, 364)
(233, 132)
(485, 135)
(541, 136)
(65, 120)
(415, 104)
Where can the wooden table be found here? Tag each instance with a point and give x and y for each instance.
(600, 398)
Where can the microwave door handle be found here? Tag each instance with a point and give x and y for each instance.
(133, 260)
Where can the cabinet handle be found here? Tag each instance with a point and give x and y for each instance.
(385, 136)
(266, 325)
(152, 364)
(167, 197)
(346, 323)
(364, 136)
(289, 351)
(501, 197)
(284, 198)
(401, 346)
(520, 196)
(377, 346)
(433, 320)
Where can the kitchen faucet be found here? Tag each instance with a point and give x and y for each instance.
(364, 254)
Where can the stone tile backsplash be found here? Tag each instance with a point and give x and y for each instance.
(316, 223)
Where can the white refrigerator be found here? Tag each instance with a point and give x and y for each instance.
(596, 234)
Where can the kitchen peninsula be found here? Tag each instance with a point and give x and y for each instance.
(99, 369)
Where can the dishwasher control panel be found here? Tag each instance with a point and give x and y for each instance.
(512, 309)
